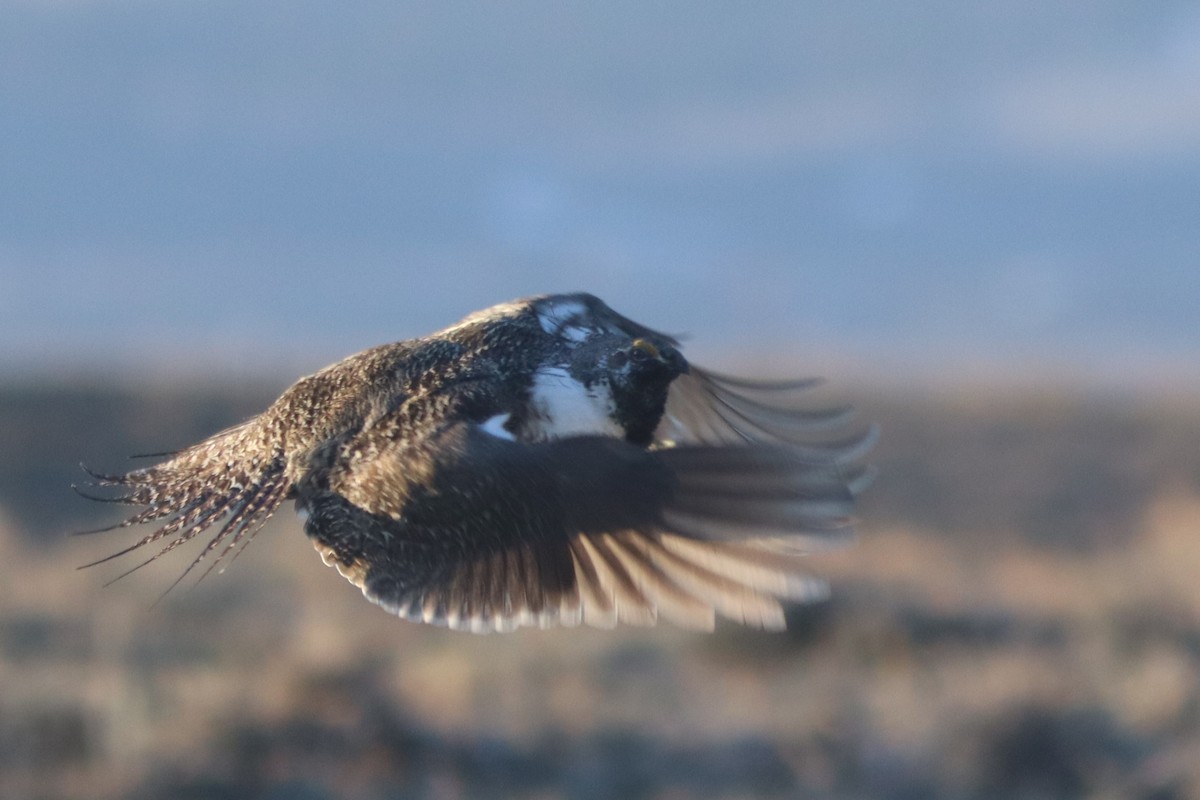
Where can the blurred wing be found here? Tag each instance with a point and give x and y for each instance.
(710, 408)
(464, 529)
(705, 407)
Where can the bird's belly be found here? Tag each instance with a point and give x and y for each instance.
(562, 406)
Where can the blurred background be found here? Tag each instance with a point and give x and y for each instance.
(978, 220)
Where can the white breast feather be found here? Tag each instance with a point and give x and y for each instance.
(495, 426)
(565, 407)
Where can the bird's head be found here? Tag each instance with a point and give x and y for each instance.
(642, 365)
(623, 370)
(638, 373)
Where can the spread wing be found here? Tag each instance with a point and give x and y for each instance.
(708, 407)
(711, 408)
(466, 529)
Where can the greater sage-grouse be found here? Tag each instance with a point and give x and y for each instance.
(546, 461)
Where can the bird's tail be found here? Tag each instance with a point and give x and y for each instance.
(235, 479)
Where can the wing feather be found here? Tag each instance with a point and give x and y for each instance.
(658, 585)
(710, 408)
(630, 605)
(588, 529)
(597, 607)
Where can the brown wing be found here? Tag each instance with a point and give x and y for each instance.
(711, 408)
(708, 407)
(465, 529)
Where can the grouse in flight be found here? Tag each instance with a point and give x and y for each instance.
(545, 461)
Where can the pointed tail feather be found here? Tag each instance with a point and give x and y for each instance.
(237, 476)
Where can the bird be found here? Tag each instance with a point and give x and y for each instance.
(543, 462)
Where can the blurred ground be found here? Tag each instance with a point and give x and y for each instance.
(1020, 618)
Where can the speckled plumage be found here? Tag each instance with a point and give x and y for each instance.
(543, 461)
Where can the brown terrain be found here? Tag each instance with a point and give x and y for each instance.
(1020, 617)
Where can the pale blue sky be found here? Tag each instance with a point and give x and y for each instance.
(229, 184)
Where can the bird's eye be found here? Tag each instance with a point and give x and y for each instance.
(618, 359)
(641, 349)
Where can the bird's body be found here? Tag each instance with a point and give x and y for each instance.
(543, 461)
